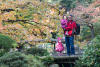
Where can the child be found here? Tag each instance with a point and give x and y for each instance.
(59, 45)
(64, 24)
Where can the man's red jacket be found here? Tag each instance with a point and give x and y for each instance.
(70, 27)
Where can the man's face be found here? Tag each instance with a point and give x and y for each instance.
(69, 17)
(65, 17)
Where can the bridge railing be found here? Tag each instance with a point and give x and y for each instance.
(42, 43)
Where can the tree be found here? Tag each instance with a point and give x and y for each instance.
(68, 4)
(29, 20)
(86, 2)
(87, 15)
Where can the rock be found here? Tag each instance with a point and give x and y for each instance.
(54, 65)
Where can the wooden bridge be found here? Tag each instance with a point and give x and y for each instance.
(63, 58)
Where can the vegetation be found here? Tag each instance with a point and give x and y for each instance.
(17, 59)
(47, 60)
(69, 4)
(6, 43)
(30, 20)
(86, 2)
(91, 54)
(86, 32)
(24, 21)
(37, 51)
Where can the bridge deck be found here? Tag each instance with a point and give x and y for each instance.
(64, 56)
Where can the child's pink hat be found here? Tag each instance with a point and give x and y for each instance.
(59, 38)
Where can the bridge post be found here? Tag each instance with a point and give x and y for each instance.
(54, 35)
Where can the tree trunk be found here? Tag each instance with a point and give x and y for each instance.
(92, 30)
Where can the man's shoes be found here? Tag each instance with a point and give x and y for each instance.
(68, 54)
(72, 54)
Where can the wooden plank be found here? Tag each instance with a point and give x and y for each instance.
(62, 57)
(70, 62)
(65, 57)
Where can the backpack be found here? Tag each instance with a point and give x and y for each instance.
(77, 32)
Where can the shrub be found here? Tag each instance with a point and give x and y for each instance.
(40, 54)
(96, 28)
(47, 60)
(86, 33)
(6, 43)
(2, 65)
(37, 51)
(91, 54)
(17, 59)
(86, 2)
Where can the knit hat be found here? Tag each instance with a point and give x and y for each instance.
(59, 38)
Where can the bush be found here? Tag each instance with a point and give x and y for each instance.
(6, 43)
(91, 54)
(17, 59)
(37, 51)
(86, 2)
(47, 60)
(97, 28)
(69, 4)
(2, 65)
(40, 54)
(86, 33)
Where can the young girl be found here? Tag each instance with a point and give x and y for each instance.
(64, 24)
(59, 45)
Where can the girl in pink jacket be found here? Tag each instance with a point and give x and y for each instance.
(64, 24)
(59, 45)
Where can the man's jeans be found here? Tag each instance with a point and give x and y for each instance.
(70, 45)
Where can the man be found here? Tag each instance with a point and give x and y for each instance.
(69, 35)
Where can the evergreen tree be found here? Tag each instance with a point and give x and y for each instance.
(69, 4)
